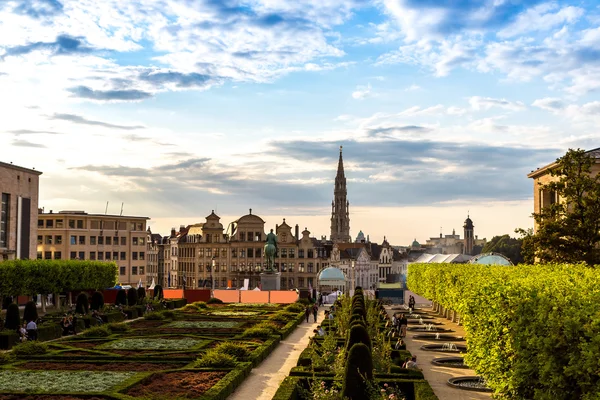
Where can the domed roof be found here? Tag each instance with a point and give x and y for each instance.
(360, 236)
(331, 274)
(415, 243)
(490, 259)
(468, 223)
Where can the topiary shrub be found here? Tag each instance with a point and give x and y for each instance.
(237, 350)
(294, 307)
(154, 316)
(256, 332)
(214, 300)
(121, 298)
(141, 294)
(358, 334)
(30, 348)
(82, 306)
(132, 296)
(215, 359)
(97, 301)
(30, 313)
(359, 369)
(13, 319)
(116, 327)
(97, 331)
(158, 292)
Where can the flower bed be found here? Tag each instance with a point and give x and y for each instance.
(61, 381)
(235, 313)
(153, 344)
(185, 384)
(204, 324)
(89, 366)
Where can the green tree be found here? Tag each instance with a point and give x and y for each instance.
(505, 245)
(569, 229)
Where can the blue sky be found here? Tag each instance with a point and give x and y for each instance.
(178, 107)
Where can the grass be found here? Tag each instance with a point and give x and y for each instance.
(236, 313)
(203, 324)
(152, 344)
(60, 381)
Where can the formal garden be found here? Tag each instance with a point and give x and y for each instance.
(532, 331)
(359, 357)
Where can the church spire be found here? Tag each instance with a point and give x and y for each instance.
(340, 216)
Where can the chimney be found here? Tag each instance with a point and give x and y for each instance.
(50, 211)
(173, 233)
(276, 228)
(181, 228)
(250, 211)
(297, 232)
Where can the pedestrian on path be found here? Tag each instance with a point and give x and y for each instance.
(307, 313)
(315, 310)
(403, 322)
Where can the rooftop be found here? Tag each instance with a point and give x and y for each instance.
(12, 166)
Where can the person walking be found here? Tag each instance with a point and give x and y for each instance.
(403, 322)
(315, 310)
(307, 313)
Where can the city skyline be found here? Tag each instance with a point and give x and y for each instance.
(177, 108)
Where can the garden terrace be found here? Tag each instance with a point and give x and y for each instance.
(168, 354)
(325, 366)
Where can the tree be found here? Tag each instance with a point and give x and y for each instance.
(507, 246)
(569, 229)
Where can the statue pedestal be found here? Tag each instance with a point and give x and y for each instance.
(270, 281)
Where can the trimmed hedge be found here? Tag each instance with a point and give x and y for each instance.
(20, 277)
(532, 331)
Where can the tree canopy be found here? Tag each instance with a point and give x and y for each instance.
(505, 245)
(568, 230)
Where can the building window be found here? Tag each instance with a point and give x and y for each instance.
(283, 267)
(47, 255)
(258, 236)
(233, 267)
(141, 271)
(122, 270)
(142, 255)
(134, 255)
(73, 240)
(224, 282)
(115, 255)
(73, 255)
(100, 256)
(242, 236)
(223, 253)
(123, 255)
(49, 239)
(123, 241)
(79, 224)
(108, 240)
(251, 253)
(72, 224)
(40, 239)
(116, 240)
(40, 223)
(300, 282)
(243, 253)
(81, 239)
(101, 240)
(141, 241)
(57, 255)
(310, 282)
(59, 223)
(82, 255)
(301, 267)
(216, 253)
(39, 255)
(49, 223)
(233, 253)
(310, 267)
(133, 270)
(58, 239)
(291, 267)
(292, 253)
(92, 255)
(310, 254)
(301, 253)
(283, 253)
(93, 240)
(135, 241)
(140, 226)
(257, 253)
(4, 213)
(291, 282)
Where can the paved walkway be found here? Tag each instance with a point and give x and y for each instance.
(264, 380)
(438, 376)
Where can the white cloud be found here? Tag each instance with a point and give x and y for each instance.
(485, 103)
(418, 111)
(549, 104)
(412, 88)
(541, 18)
(456, 111)
(362, 92)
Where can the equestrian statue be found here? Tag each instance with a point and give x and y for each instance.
(270, 252)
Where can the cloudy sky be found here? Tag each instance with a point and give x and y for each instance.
(178, 107)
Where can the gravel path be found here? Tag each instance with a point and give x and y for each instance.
(264, 380)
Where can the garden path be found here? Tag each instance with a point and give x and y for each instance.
(438, 376)
(264, 380)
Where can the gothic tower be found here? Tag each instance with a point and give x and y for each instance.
(340, 216)
(469, 238)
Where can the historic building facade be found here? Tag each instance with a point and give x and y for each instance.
(76, 235)
(19, 196)
(469, 244)
(340, 207)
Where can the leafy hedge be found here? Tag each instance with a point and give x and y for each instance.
(533, 332)
(23, 277)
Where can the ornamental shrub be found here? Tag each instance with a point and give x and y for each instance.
(82, 305)
(199, 304)
(30, 348)
(132, 296)
(118, 327)
(13, 319)
(154, 316)
(215, 359)
(121, 298)
(294, 307)
(158, 292)
(97, 301)
(358, 334)
(237, 350)
(141, 291)
(257, 332)
(30, 313)
(97, 331)
(168, 314)
(214, 300)
(359, 370)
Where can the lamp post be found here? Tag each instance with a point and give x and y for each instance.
(353, 280)
(212, 282)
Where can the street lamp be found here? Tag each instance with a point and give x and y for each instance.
(212, 282)
(353, 280)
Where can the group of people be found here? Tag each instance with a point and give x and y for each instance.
(400, 324)
(411, 303)
(28, 331)
(314, 309)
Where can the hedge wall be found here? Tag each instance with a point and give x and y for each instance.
(25, 277)
(533, 331)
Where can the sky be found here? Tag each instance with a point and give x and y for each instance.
(174, 108)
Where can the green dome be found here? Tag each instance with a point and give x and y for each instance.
(415, 243)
